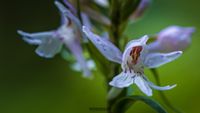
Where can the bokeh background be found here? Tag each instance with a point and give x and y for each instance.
(30, 84)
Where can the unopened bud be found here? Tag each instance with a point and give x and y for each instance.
(173, 38)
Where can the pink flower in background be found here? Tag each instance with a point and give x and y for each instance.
(172, 38)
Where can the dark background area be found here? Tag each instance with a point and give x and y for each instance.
(30, 84)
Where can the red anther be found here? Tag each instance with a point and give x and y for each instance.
(135, 53)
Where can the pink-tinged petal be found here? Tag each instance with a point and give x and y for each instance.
(122, 80)
(110, 51)
(48, 45)
(154, 60)
(64, 20)
(143, 85)
(68, 14)
(64, 11)
(70, 6)
(155, 47)
(34, 38)
(172, 38)
(86, 20)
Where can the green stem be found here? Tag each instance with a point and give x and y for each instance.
(119, 93)
(79, 11)
(115, 37)
(162, 94)
(115, 21)
(111, 102)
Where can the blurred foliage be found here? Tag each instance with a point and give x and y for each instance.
(30, 84)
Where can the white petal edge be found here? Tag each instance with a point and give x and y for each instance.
(49, 47)
(162, 88)
(67, 13)
(34, 38)
(136, 42)
(168, 87)
(154, 60)
(143, 85)
(122, 80)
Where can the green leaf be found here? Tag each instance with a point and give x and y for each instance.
(122, 105)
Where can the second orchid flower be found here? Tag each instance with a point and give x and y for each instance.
(133, 61)
(68, 34)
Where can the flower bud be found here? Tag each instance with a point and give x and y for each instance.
(144, 4)
(173, 38)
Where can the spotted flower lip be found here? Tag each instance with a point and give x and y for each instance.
(133, 61)
(68, 34)
(172, 38)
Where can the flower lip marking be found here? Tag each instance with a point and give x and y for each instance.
(135, 53)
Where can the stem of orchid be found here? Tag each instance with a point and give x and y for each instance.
(115, 21)
(162, 94)
(114, 92)
(117, 94)
(79, 11)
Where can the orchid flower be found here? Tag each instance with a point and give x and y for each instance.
(68, 34)
(172, 38)
(133, 60)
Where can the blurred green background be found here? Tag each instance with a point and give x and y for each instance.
(30, 84)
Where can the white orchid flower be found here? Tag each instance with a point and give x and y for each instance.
(68, 35)
(133, 61)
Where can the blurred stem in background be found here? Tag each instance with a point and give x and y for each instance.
(114, 35)
(79, 11)
(162, 94)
